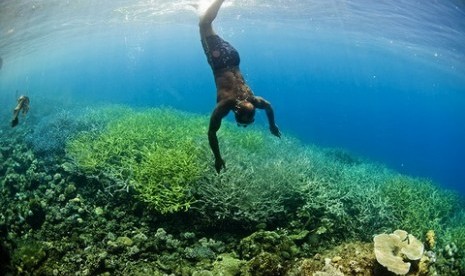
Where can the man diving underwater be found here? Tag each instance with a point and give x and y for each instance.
(232, 91)
(23, 104)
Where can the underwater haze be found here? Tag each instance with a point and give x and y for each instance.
(384, 80)
(105, 164)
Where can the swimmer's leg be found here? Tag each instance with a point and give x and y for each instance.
(205, 23)
(14, 122)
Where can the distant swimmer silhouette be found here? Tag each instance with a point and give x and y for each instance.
(1, 62)
(232, 91)
(23, 104)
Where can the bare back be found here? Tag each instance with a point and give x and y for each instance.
(230, 84)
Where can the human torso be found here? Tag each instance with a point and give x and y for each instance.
(224, 61)
(231, 84)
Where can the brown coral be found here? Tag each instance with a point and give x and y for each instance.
(430, 239)
(353, 258)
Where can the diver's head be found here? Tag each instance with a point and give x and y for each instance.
(244, 111)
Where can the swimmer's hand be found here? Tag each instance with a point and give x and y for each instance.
(275, 131)
(219, 164)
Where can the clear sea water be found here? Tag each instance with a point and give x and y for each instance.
(382, 79)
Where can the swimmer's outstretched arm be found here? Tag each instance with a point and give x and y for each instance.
(221, 110)
(206, 20)
(261, 103)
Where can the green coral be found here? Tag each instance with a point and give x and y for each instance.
(342, 199)
(265, 264)
(36, 213)
(313, 199)
(418, 205)
(156, 152)
(258, 187)
(227, 264)
(174, 170)
(276, 243)
(29, 256)
(163, 155)
(451, 260)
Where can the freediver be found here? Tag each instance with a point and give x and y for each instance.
(232, 91)
(23, 104)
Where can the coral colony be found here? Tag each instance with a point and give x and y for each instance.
(117, 191)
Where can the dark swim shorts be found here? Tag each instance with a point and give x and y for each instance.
(220, 53)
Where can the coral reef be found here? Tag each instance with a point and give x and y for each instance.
(418, 205)
(430, 239)
(351, 258)
(135, 193)
(265, 264)
(267, 241)
(228, 264)
(145, 152)
(395, 251)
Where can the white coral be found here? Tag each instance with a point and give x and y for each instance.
(328, 270)
(394, 251)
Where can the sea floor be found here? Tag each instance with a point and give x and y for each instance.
(118, 191)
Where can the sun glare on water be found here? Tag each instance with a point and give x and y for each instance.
(204, 4)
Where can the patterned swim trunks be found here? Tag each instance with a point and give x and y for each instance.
(220, 53)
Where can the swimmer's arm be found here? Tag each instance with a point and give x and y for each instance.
(17, 109)
(221, 110)
(261, 103)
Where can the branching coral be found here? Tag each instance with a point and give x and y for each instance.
(50, 135)
(155, 152)
(258, 186)
(343, 199)
(164, 176)
(164, 156)
(161, 157)
(418, 205)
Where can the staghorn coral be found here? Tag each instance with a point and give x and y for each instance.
(418, 205)
(259, 186)
(163, 177)
(154, 152)
(162, 154)
(451, 260)
(343, 200)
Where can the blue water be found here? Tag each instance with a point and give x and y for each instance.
(382, 79)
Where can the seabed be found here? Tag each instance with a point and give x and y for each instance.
(112, 190)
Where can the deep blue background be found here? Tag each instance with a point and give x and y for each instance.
(398, 105)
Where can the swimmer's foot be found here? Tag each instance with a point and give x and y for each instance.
(14, 122)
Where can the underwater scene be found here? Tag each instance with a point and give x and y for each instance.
(232, 137)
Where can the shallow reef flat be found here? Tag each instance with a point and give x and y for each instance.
(113, 190)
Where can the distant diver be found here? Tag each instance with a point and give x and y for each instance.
(232, 91)
(1, 62)
(23, 104)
